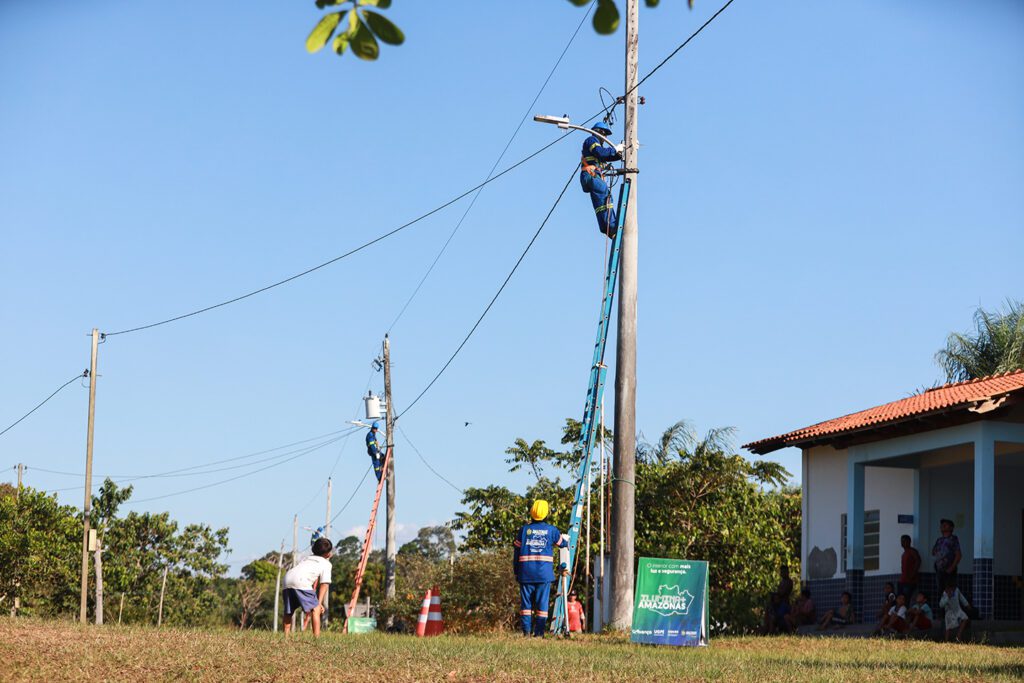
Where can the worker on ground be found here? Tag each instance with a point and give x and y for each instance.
(533, 563)
(595, 153)
(577, 617)
(373, 450)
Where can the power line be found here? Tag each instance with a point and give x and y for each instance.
(497, 161)
(175, 472)
(496, 295)
(429, 467)
(681, 46)
(57, 391)
(306, 451)
(341, 256)
(354, 492)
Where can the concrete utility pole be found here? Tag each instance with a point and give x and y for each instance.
(624, 469)
(327, 535)
(295, 540)
(16, 604)
(87, 508)
(390, 553)
(277, 590)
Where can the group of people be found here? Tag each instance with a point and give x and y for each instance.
(905, 609)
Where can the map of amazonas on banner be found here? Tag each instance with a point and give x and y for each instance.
(671, 605)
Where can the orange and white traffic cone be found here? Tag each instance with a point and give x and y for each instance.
(435, 622)
(421, 622)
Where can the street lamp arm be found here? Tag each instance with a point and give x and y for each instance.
(563, 123)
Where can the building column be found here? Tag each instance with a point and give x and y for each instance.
(984, 522)
(855, 533)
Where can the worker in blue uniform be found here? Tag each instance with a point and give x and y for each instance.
(373, 450)
(595, 153)
(533, 560)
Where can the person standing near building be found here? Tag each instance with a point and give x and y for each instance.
(373, 450)
(577, 617)
(947, 555)
(533, 563)
(910, 565)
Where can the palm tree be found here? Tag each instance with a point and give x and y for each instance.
(996, 345)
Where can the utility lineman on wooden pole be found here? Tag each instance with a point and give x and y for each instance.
(86, 509)
(624, 467)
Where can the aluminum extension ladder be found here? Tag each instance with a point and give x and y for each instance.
(592, 407)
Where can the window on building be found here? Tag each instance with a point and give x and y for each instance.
(872, 535)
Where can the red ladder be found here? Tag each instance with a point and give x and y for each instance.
(361, 570)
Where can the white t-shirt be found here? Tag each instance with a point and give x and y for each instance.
(305, 573)
(900, 612)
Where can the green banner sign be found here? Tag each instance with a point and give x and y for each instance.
(671, 602)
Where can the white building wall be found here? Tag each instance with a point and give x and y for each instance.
(888, 490)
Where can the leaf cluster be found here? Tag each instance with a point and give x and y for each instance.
(357, 27)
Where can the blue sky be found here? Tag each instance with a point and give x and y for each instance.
(827, 189)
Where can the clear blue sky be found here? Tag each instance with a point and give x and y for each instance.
(827, 189)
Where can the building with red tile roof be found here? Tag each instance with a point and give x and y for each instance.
(953, 453)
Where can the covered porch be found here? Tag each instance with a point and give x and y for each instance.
(972, 474)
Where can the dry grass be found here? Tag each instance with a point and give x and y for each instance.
(45, 651)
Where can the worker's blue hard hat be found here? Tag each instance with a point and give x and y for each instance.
(602, 127)
(375, 425)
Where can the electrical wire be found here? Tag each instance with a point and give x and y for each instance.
(354, 492)
(681, 46)
(497, 161)
(57, 391)
(495, 297)
(306, 451)
(346, 254)
(429, 467)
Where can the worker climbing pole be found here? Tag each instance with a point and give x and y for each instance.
(598, 153)
(594, 402)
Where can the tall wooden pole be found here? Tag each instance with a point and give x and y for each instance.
(16, 603)
(277, 589)
(163, 587)
(390, 553)
(295, 540)
(87, 507)
(21, 475)
(624, 470)
(327, 535)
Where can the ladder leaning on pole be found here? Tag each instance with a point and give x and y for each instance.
(592, 407)
(361, 569)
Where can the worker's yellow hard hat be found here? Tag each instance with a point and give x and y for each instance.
(539, 510)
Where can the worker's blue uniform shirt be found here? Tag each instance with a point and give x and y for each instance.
(374, 452)
(533, 555)
(595, 152)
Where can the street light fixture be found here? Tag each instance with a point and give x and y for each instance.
(563, 123)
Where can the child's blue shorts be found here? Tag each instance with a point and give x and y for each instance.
(295, 598)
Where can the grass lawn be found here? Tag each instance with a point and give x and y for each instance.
(32, 650)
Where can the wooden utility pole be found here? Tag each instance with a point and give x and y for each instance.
(327, 535)
(277, 591)
(87, 507)
(21, 475)
(163, 587)
(624, 469)
(390, 553)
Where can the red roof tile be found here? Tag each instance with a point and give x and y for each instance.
(959, 395)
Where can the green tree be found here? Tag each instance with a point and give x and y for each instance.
(995, 345)
(40, 547)
(698, 500)
(695, 499)
(434, 543)
(104, 509)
